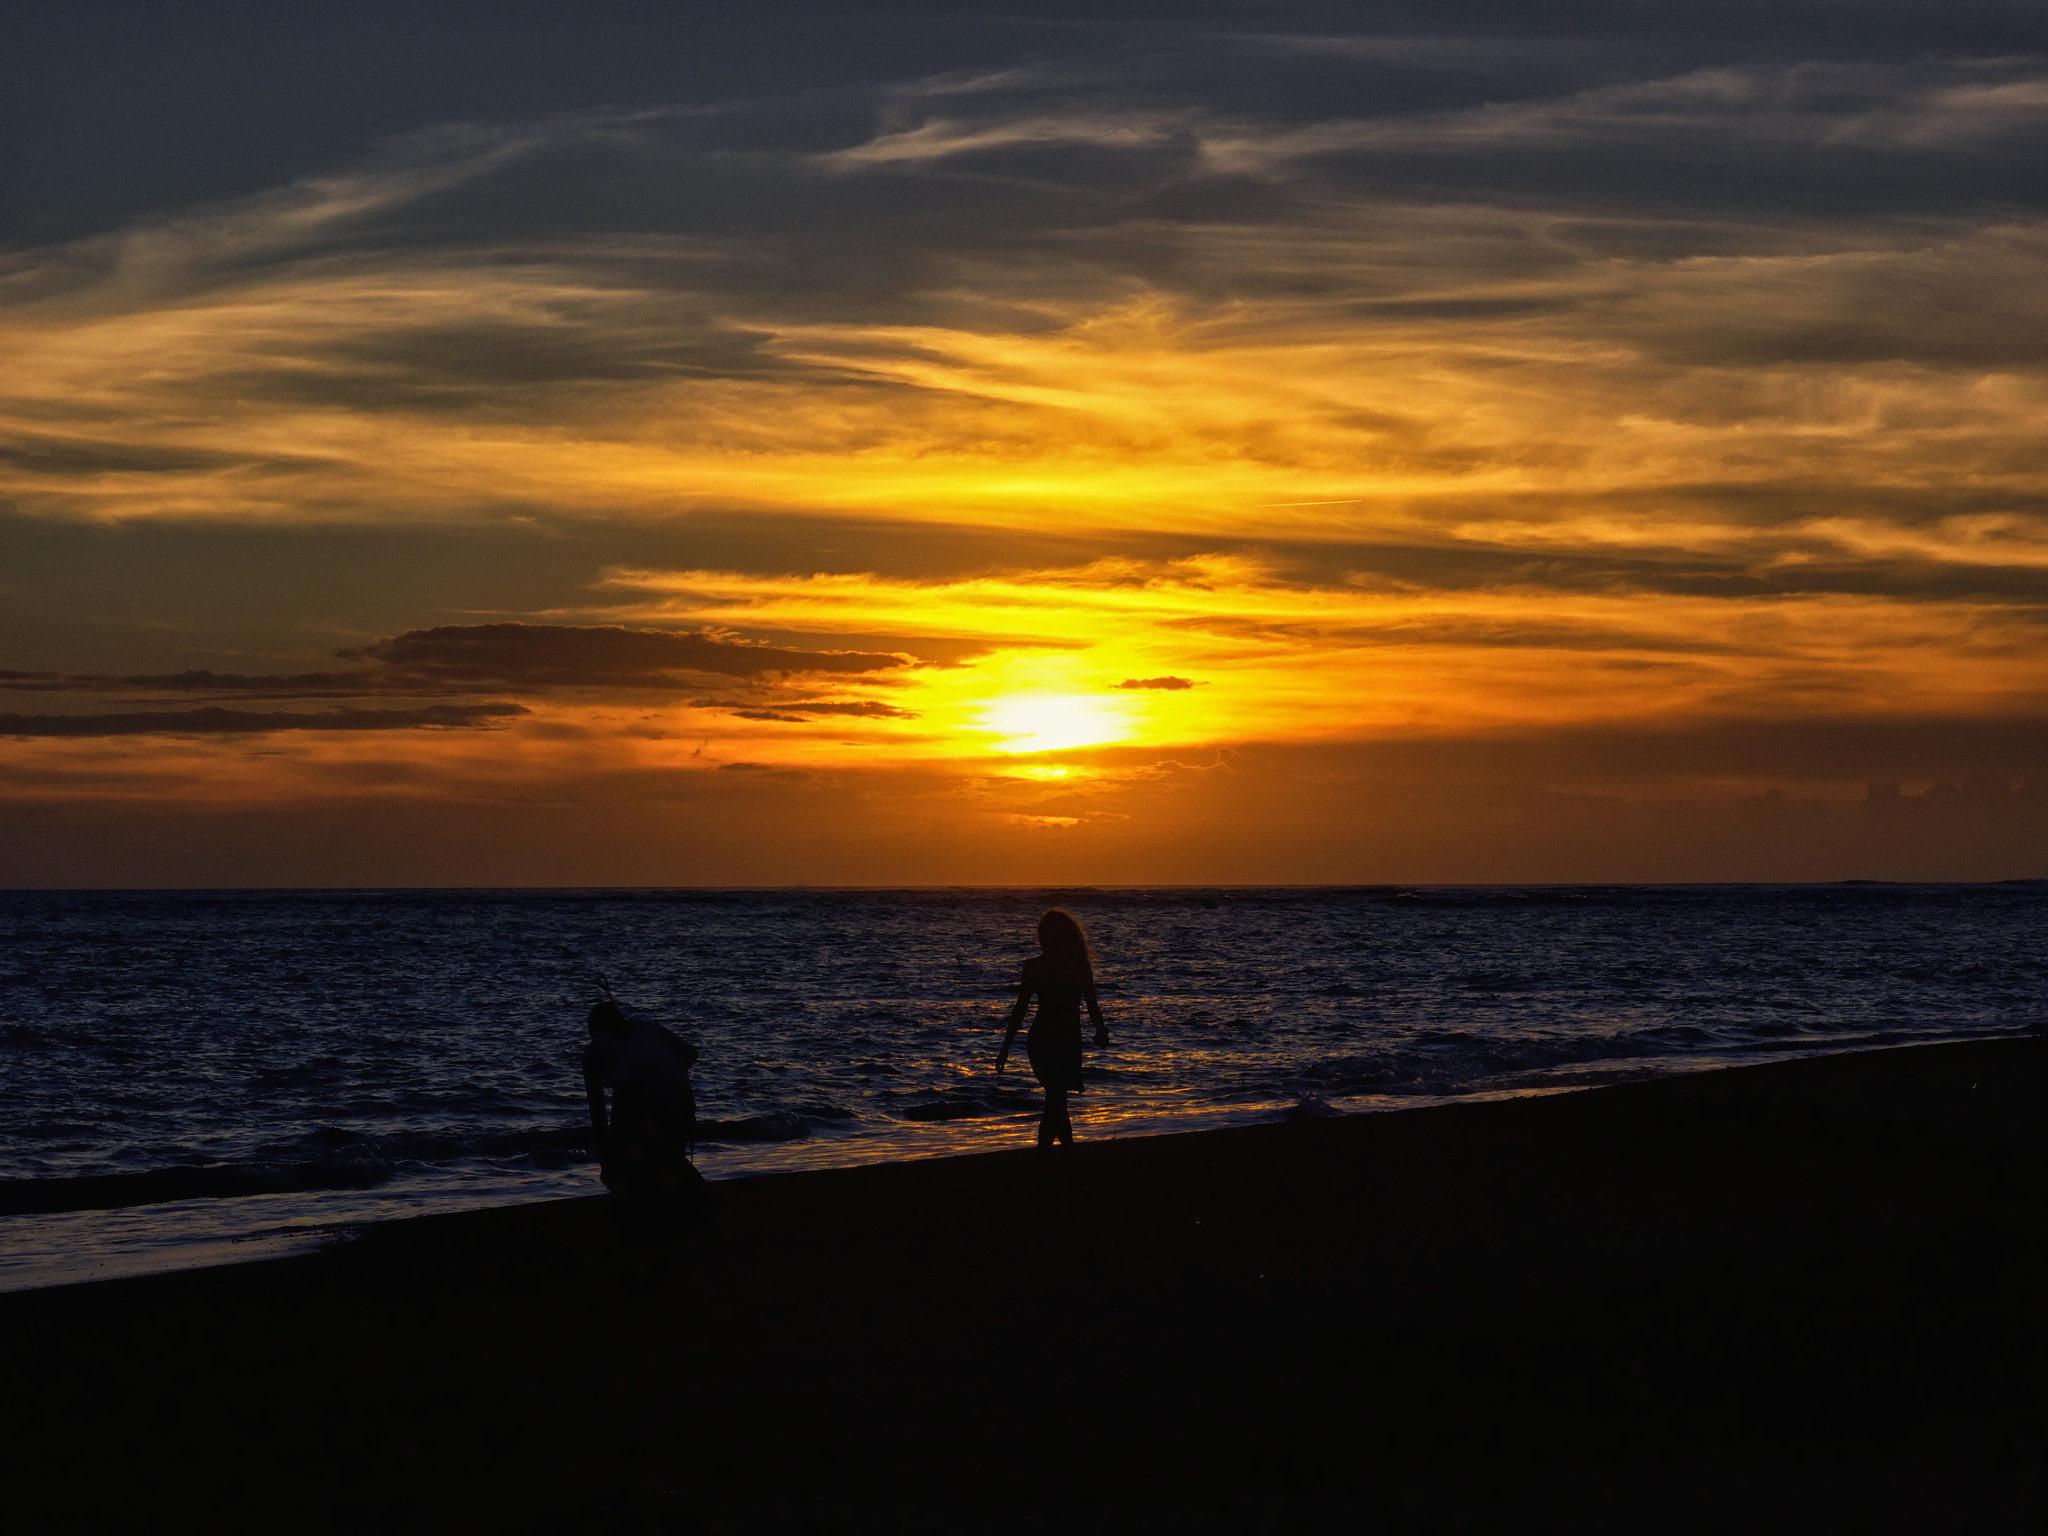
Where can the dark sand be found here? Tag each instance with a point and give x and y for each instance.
(1797, 1296)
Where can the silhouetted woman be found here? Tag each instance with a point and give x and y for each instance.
(1062, 977)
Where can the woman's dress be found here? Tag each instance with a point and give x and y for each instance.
(1054, 1044)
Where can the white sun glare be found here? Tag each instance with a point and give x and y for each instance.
(1046, 722)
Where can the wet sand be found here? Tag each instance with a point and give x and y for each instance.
(1797, 1295)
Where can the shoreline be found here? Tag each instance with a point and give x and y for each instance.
(185, 1216)
(1818, 1275)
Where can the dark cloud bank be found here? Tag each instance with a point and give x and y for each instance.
(214, 721)
(457, 659)
(549, 655)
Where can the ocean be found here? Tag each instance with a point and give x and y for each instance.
(283, 1066)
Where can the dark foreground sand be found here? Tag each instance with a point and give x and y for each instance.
(1798, 1296)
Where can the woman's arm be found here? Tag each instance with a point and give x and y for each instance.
(1026, 985)
(1095, 1013)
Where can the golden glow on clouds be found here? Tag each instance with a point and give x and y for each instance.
(323, 390)
(1280, 660)
(1271, 660)
(1439, 379)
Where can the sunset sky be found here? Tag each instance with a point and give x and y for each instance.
(656, 444)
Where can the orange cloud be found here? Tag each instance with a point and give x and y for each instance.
(1413, 463)
(1283, 660)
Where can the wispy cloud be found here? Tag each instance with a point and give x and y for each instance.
(945, 138)
(555, 655)
(1460, 386)
(215, 721)
(1725, 113)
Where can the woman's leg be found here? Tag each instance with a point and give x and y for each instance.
(1054, 1124)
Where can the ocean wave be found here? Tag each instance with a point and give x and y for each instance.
(328, 1158)
(785, 1125)
(109, 1191)
(439, 1033)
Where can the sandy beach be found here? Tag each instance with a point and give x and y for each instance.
(1796, 1295)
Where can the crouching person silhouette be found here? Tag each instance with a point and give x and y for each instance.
(646, 1140)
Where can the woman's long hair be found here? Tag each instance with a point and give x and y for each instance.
(1064, 944)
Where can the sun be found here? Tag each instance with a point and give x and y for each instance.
(1047, 722)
